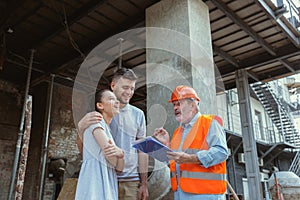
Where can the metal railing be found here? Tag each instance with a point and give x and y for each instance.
(232, 123)
(295, 166)
(293, 14)
(289, 11)
(267, 135)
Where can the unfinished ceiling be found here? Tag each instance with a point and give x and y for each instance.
(245, 34)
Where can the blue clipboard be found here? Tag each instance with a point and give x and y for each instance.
(153, 148)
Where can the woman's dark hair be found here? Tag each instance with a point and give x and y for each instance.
(98, 97)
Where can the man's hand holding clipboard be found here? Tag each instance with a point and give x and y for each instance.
(155, 146)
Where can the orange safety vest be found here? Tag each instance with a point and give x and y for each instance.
(195, 178)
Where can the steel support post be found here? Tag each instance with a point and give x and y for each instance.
(21, 130)
(249, 143)
(46, 140)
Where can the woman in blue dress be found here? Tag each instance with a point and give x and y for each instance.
(102, 159)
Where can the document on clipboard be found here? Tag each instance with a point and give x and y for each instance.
(153, 148)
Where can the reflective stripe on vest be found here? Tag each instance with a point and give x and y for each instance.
(201, 175)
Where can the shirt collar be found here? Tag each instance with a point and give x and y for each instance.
(126, 107)
(192, 122)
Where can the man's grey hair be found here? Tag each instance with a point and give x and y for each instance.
(196, 102)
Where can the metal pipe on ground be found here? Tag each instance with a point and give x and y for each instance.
(232, 191)
(21, 130)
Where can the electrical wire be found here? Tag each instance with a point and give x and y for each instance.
(63, 19)
(72, 41)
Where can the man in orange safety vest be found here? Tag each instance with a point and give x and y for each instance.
(198, 162)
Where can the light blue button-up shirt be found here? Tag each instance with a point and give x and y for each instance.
(126, 127)
(217, 153)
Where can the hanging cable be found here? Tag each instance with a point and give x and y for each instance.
(64, 21)
(72, 41)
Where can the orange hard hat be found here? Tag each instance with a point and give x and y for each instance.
(183, 92)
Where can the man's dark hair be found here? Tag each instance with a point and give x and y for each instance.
(124, 73)
(98, 97)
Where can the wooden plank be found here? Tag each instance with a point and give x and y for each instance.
(68, 190)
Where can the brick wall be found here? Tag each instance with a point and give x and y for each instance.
(49, 189)
(62, 141)
(7, 149)
(10, 109)
(62, 138)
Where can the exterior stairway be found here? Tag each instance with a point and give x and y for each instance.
(295, 166)
(277, 112)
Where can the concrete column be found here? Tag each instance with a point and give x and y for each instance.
(179, 52)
